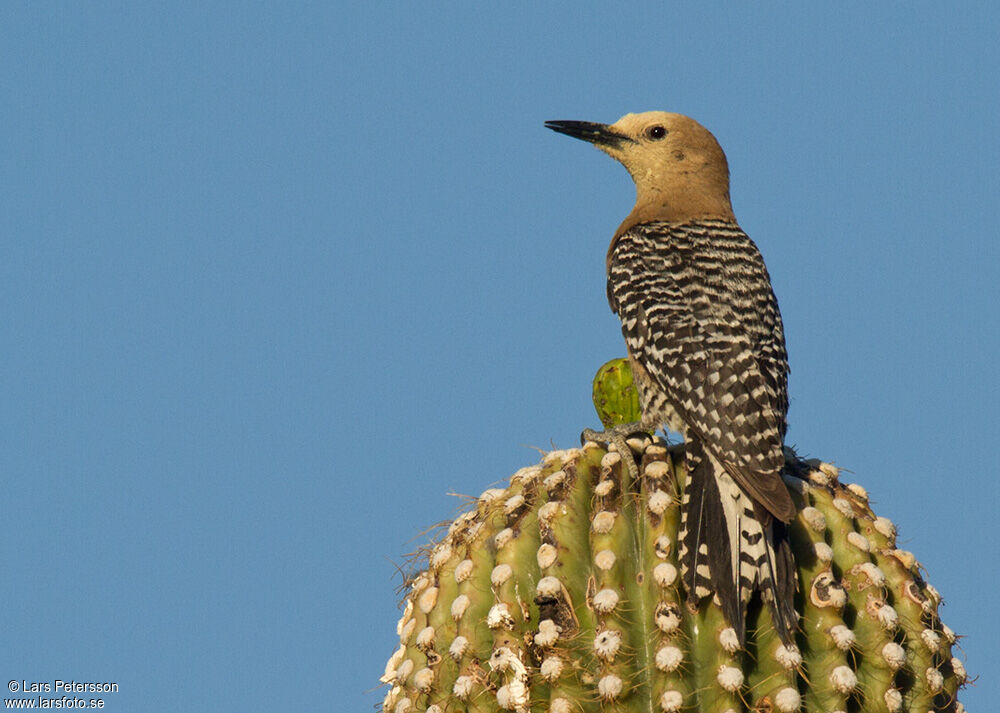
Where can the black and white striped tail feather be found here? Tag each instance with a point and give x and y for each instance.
(716, 513)
(785, 578)
(704, 542)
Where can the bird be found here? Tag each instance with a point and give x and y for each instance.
(706, 345)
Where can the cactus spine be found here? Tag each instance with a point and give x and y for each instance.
(561, 593)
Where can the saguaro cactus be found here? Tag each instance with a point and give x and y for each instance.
(561, 593)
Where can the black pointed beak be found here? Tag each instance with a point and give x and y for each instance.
(600, 134)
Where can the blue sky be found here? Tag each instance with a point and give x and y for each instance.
(277, 279)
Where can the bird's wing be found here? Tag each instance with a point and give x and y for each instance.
(721, 375)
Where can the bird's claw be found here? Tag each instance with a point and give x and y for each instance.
(617, 436)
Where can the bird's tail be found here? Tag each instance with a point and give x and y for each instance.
(732, 547)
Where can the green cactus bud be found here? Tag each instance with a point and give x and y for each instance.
(561, 593)
(615, 396)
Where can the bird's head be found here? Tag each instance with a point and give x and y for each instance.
(679, 169)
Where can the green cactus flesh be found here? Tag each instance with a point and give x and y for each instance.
(615, 396)
(561, 593)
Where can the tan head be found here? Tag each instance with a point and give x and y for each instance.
(679, 169)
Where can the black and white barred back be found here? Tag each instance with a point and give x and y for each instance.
(708, 351)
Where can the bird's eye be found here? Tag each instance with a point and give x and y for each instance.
(656, 132)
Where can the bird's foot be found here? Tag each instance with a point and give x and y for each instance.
(617, 437)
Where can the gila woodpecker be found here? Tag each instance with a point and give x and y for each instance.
(705, 341)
